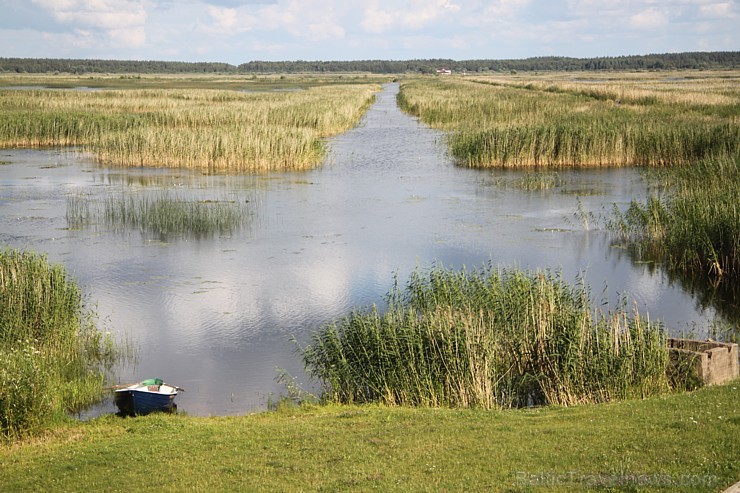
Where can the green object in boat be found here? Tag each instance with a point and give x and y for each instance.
(152, 381)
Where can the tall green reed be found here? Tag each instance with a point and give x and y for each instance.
(692, 223)
(490, 338)
(53, 359)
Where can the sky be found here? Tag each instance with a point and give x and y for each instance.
(238, 31)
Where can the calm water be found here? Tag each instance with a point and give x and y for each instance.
(216, 316)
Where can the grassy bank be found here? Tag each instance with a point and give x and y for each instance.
(680, 443)
(550, 121)
(52, 357)
(490, 338)
(210, 129)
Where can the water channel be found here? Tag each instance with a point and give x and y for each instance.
(216, 315)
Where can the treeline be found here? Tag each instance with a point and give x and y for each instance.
(669, 61)
(50, 65)
(666, 61)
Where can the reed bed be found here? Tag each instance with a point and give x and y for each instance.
(163, 214)
(489, 339)
(691, 223)
(52, 357)
(215, 130)
(241, 82)
(681, 88)
(518, 124)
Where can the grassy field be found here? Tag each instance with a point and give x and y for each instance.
(561, 120)
(266, 125)
(680, 443)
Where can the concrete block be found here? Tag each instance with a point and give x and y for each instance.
(714, 362)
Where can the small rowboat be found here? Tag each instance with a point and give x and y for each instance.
(145, 397)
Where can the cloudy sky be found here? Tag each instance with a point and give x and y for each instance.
(237, 31)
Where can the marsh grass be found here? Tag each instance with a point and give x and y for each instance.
(540, 181)
(704, 88)
(52, 357)
(491, 338)
(252, 83)
(691, 223)
(163, 214)
(210, 129)
(80, 211)
(518, 124)
(531, 182)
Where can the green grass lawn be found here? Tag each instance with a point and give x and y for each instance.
(684, 442)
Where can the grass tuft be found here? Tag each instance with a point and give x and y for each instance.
(162, 214)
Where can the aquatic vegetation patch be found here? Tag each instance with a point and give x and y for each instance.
(531, 182)
(163, 214)
(691, 223)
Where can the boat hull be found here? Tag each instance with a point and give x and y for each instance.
(144, 400)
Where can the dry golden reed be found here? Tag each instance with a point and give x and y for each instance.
(216, 130)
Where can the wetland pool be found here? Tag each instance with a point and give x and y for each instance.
(216, 315)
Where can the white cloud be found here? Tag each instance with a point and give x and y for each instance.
(277, 17)
(77, 39)
(228, 21)
(651, 18)
(123, 21)
(225, 17)
(590, 7)
(423, 12)
(417, 15)
(505, 8)
(128, 37)
(717, 10)
(376, 20)
(241, 30)
(321, 31)
(311, 20)
(102, 14)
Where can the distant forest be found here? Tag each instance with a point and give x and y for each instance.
(667, 61)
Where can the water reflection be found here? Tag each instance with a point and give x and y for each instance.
(216, 315)
(723, 298)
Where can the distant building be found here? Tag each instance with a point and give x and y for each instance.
(444, 71)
